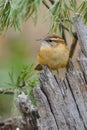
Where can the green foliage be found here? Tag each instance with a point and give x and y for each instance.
(24, 81)
(83, 10)
(13, 13)
(61, 14)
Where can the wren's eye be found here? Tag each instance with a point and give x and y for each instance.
(49, 40)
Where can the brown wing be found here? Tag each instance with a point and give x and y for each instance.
(38, 67)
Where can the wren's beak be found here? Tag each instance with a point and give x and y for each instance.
(43, 42)
(40, 40)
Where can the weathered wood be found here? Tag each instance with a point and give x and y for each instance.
(83, 86)
(82, 60)
(47, 120)
(74, 120)
(52, 91)
(81, 30)
(8, 125)
(61, 102)
(77, 95)
(29, 113)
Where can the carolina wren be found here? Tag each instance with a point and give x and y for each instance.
(53, 52)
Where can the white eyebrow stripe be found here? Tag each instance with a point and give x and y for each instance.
(54, 39)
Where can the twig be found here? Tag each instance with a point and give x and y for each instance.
(67, 29)
(46, 4)
(2, 91)
(73, 45)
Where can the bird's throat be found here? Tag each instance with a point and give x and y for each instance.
(47, 44)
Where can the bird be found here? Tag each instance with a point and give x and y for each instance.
(53, 52)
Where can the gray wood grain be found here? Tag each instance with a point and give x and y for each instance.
(81, 30)
(55, 98)
(75, 121)
(46, 121)
(77, 95)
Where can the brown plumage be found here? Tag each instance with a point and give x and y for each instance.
(53, 52)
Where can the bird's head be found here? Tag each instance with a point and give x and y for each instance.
(51, 40)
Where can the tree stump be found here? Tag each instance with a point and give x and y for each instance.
(62, 105)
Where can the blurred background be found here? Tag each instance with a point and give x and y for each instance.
(18, 49)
